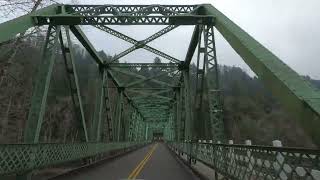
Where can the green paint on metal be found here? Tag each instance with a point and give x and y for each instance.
(157, 106)
(236, 161)
(10, 29)
(188, 106)
(68, 54)
(119, 116)
(299, 97)
(63, 19)
(212, 91)
(98, 110)
(109, 117)
(40, 92)
(15, 158)
(86, 43)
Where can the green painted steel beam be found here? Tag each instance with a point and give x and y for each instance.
(92, 51)
(149, 78)
(18, 158)
(107, 102)
(192, 46)
(151, 65)
(40, 91)
(141, 44)
(10, 29)
(76, 30)
(97, 119)
(149, 89)
(296, 94)
(178, 114)
(68, 55)
(123, 20)
(141, 77)
(128, 9)
(120, 116)
(133, 41)
(189, 134)
(119, 86)
(156, 94)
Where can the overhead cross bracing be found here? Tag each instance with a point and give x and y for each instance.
(131, 105)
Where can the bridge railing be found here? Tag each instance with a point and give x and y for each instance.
(19, 158)
(254, 162)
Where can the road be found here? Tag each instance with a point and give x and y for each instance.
(153, 162)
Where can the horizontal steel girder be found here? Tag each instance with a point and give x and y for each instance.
(123, 9)
(151, 65)
(15, 158)
(123, 20)
(141, 77)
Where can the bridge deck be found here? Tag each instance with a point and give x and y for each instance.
(154, 162)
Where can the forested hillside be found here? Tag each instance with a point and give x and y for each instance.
(250, 110)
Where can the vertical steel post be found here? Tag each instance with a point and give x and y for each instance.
(188, 106)
(40, 92)
(108, 107)
(146, 134)
(188, 112)
(115, 118)
(98, 110)
(119, 117)
(178, 114)
(212, 81)
(68, 54)
(203, 128)
(132, 126)
(182, 112)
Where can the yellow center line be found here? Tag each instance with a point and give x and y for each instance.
(135, 169)
(144, 163)
(139, 167)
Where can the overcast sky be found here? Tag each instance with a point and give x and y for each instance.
(289, 28)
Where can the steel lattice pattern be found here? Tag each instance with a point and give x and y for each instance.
(114, 9)
(256, 162)
(16, 158)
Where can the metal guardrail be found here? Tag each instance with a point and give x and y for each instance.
(254, 162)
(17, 158)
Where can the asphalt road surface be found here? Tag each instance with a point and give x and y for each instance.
(153, 162)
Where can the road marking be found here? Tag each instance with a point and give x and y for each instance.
(144, 163)
(131, 174)
(139, 167)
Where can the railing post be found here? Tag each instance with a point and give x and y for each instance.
(279, 160)
(249, 157)
(231, 159)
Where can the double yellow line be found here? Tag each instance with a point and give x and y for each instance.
(140, 166)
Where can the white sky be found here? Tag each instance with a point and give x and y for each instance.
(289, 28)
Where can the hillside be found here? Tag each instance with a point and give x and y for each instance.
(250, 110)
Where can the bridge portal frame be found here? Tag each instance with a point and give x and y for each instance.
(297, 95)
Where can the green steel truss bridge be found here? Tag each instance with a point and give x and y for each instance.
(189, 118)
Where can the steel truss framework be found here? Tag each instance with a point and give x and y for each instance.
(181, 112)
